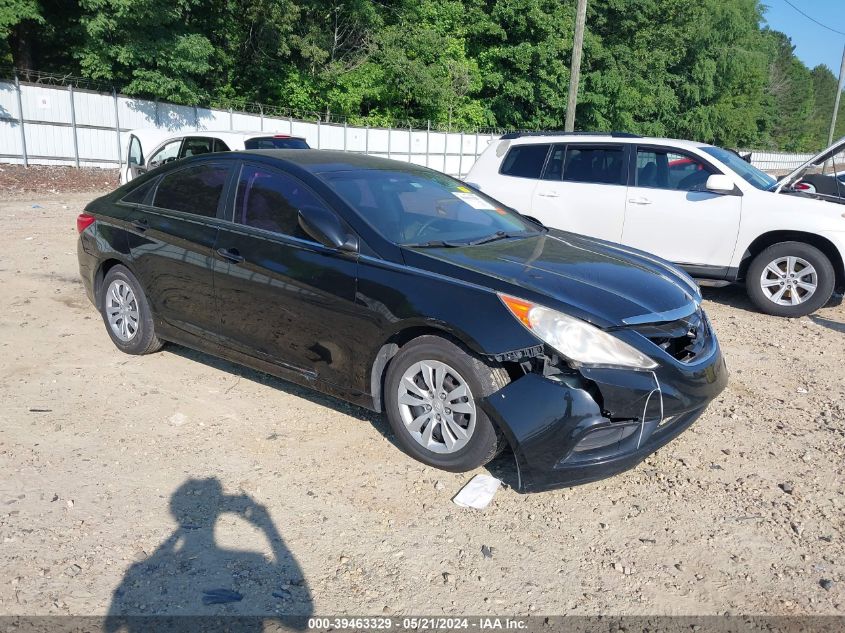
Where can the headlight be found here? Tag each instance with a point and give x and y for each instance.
(577, 340)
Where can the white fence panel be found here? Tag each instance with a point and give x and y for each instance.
(87, 133)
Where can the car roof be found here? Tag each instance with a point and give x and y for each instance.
(319, 161)
(527, 138)
(155, 135)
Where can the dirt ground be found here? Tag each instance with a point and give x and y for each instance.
(137, 484)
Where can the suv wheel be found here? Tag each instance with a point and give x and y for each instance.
(790, 279)
(433, 390)
(126, 313)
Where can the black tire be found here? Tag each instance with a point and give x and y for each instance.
(826, 279)
(144, 340)
(481, 378)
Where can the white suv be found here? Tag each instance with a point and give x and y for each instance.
(702, 207)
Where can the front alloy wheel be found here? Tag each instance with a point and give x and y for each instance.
(790, 279)
(433, 391)
(436, 406)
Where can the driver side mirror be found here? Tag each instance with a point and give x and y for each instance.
(719, 183)
(327, 229)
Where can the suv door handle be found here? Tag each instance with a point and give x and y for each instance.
(230, 254)
(639, 200)
(549, 194)
(140, 225)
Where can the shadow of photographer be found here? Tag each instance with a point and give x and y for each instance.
(189, 574)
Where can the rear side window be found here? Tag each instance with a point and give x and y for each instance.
(194, 146)
(274, 142)
(525, 161)
(194, 190)
(220, 146)
(554, 168)
(139, 194)
(271, 201)
(603, 165)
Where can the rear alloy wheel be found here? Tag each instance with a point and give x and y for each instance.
(790, 279)
(126, 313)
(432, 393)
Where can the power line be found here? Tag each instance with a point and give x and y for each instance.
(812, 19)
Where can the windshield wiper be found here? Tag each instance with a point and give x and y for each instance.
(435, 244)
(499, 235)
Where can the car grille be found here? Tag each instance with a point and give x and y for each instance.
(684, 339)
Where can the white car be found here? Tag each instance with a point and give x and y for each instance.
(700, 206)
(147, 149)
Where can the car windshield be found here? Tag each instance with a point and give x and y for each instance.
(275, 142)
(746, 170)
(417, 207)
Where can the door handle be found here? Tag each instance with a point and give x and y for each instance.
(549, 194)
(230, 254)
(639, 200)
(140, 225)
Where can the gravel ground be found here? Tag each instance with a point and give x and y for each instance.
(136, 484)
(20, 183)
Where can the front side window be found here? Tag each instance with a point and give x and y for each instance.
(604, 165)
(195, 190)
(745, 170)
(136, 155)
(194, 146)
(525, 161)
(166, 154)
(413, 206)
(271, 201)
(662, 169)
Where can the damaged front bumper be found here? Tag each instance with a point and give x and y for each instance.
(577, 427)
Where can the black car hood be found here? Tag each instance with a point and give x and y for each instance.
(606, 284)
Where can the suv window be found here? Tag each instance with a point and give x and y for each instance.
(525, 161)
(554, 168)
(194, 146)
(166, 154)
(271, 201)
(605, 165)
(194, 190)
(275, 142)
(662, 169)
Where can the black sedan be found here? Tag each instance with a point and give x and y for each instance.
(405, 291)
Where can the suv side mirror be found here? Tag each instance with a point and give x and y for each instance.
(325, 227)
(720, 183)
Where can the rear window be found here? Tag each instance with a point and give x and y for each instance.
(525, 161)
(194, 190)
(274, 142)
(139, 194)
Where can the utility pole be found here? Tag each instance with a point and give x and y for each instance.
(835, 107)
(575, 68)
(836, 101)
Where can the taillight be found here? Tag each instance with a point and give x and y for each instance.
(801, 186)
(83, 221)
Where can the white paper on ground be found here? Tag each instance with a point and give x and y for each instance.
(478, 493)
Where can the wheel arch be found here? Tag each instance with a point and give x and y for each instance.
(102, 270)
(766, 240)
(392, 345)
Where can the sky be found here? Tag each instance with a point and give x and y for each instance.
(814, 44)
